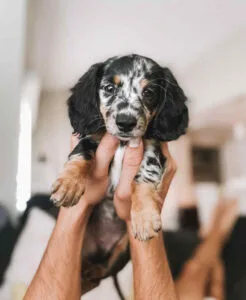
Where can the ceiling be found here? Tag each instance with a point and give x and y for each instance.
(64, 37)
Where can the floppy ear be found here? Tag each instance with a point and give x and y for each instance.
(171, 119)
(83, 104)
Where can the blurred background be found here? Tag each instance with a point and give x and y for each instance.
(45, 46)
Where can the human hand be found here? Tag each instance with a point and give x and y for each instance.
(131, 163)
(122, 196)
(96, 181)
(170, 171)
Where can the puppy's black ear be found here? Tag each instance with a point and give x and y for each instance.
(171, 119)
(83, 104)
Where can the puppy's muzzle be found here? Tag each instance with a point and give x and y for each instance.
(125, 122)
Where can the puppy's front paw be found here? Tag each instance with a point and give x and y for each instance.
(70, 186)
(67, 191)
(146, 223)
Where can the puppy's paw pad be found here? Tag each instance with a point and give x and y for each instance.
(66, 191)
(145, 224)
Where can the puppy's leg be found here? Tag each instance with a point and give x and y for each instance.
(69, 187)
(146, 206)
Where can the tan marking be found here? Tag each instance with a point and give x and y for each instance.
(103, 112)
(69, 187)
(116, 79)
(149, 117)
(143, 83)
(170, 170)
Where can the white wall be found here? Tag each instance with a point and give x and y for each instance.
(51, 139)
(12, 38)
(219, 75)
(72, 35)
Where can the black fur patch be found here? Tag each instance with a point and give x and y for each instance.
(152, 161)
(122, 105)
(86, 148)
(83, 105)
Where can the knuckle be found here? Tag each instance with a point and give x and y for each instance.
(122, 195)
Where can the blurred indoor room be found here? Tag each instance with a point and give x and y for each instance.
(45, 46)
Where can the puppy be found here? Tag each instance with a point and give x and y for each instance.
(131, 97)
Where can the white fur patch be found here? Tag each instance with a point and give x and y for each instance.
(116, 167)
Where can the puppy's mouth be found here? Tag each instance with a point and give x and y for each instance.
(124, 136)
(124, 133)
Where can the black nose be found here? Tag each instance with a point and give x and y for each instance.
(125, 122)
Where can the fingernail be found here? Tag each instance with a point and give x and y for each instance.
(134, 143)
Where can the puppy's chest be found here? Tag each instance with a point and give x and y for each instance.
(115, 170)
(150, 170)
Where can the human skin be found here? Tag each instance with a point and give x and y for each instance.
(59, 273)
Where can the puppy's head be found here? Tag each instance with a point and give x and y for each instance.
(130, 96)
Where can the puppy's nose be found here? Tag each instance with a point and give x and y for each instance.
(125, 122)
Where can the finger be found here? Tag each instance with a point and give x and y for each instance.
(169, 173)
(165, 150)
(104, 155)
(74, 141)
(131, 162)
(122, 196)
(122, 205)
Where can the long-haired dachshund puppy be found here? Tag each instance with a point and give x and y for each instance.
(130, 97)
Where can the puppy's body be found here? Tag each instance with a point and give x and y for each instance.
(130, 97)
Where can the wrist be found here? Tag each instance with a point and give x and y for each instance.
(75, 217)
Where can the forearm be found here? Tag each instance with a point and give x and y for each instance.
(59, 273)
(152, 277)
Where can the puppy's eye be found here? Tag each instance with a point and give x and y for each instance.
(109, 88)
(148, 93)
